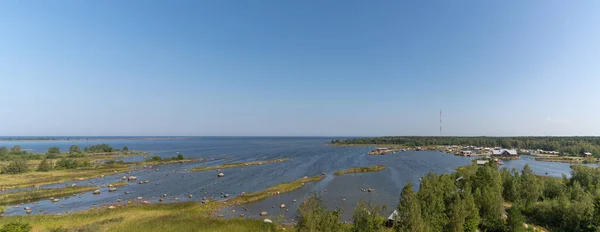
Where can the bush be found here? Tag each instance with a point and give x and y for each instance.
(178, 157)
(52, 156)
(16, 166)
(74, 149)
(16, 227)
(53, 150)
(367, 217)
(156, 158)
(312, 216)
(67, 164)
(125, 148)
(45, 166)
(76, 155)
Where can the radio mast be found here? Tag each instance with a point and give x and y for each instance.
(440, 123)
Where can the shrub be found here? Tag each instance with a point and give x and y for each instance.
(312, 216)
(52, 156)
(178, 157)
(156, 158)
(45, 166)
(367, 217)
(53, 150)
(16, 166)
(67, 164)
(16, 227)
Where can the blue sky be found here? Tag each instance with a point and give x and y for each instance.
(333, 68)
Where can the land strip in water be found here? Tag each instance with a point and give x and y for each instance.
(274, 190)
(180, 216)
(375, 168)
(244, 164)
(37, 194)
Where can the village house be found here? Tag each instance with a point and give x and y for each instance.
(466, 153)
(505, 152)
(587, 154)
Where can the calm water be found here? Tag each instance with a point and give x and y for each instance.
(310, 156)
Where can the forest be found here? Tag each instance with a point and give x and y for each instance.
(477, 198)
(570, 145)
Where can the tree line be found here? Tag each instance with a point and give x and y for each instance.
(476, 198)
(569, 145)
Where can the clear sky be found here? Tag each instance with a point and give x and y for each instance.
(272, 67)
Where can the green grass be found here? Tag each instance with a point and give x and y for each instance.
(273, 190)
(30, 179)
(172, 161)
(375, 168)
(120, 184)
(183, 216)
(36, 194)
(233, 165)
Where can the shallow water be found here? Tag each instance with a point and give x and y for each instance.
(310, 156)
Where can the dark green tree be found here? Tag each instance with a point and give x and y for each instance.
(125, 148)
(530, 189)
(431, 198)
(516, 220)
(457, 215)
(472, 219)
(409, 212)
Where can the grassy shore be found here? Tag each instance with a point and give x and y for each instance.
(184, 216)
(37, 194)
(180, 216)
(29, 179)
(119, 184)
(233, 165)
(567, 159)
(274, 190)
(375, 168)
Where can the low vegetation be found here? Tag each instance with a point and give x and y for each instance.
(575, 146)
(37, 194)
(274, 190)
(375, 168)
(233, 165)
(28, 179)
(119, 184)
(184, 216)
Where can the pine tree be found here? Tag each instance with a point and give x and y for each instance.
(515, 220)
(409, 212)
(530, 189)
(472, 218)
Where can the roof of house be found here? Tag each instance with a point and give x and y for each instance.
(499, 152)
(482, 162)
(587, 153)
(393, 215)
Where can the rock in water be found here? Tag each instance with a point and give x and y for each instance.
(263, 214)
(282, 206)
(221, 175)
(267, 221)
